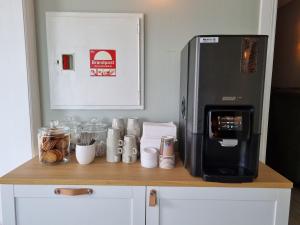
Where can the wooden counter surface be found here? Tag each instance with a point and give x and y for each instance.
(102, 173)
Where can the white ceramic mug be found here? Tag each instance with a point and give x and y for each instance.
(85, 154)
(129, 154)
(118, 123)
(133, 127)
(114, 142)
(113, 153)
(130, 140)
(114, 137)
(114, 133)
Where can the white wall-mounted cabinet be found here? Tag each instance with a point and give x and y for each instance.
(95, 60)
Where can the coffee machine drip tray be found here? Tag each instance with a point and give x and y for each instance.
(228, 175)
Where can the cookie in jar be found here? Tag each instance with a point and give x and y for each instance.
(54, 144)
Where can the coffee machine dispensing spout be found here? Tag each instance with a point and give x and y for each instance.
(228, 142)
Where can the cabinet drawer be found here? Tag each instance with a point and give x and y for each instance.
(107, 205)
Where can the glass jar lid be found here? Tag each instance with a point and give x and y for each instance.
(71, 123)
(94, 125)
(54, 129)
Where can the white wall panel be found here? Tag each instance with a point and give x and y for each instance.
(15, 132)
(82, 86)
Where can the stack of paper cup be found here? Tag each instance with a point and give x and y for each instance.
(149, 157)
(152, 133)
(167, 162)
(166, 153)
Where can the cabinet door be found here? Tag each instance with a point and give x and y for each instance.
(103, 205)
(217, 206)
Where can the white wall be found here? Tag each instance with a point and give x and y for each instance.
(15, 131)
(169, 24)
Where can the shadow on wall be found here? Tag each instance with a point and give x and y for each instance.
(287, 47)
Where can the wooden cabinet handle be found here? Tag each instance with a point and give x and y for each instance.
(153, 198)
(73, 191)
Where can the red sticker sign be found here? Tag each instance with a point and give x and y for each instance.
(102, 62)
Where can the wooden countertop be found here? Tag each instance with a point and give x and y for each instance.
(102, 173)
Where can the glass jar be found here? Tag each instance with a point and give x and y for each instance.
(94, 129)
(75, 130)
(54, 144)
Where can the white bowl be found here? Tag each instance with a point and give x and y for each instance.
(85, 154)
(149, 157)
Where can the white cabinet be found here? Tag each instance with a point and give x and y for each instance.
(39, 204)
(131, 205)
(218, 206)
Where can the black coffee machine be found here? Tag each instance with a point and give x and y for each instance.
(221, 88)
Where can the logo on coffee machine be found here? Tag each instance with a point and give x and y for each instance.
(209, 40)
(231, 98)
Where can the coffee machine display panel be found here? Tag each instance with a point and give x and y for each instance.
(229, 124)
